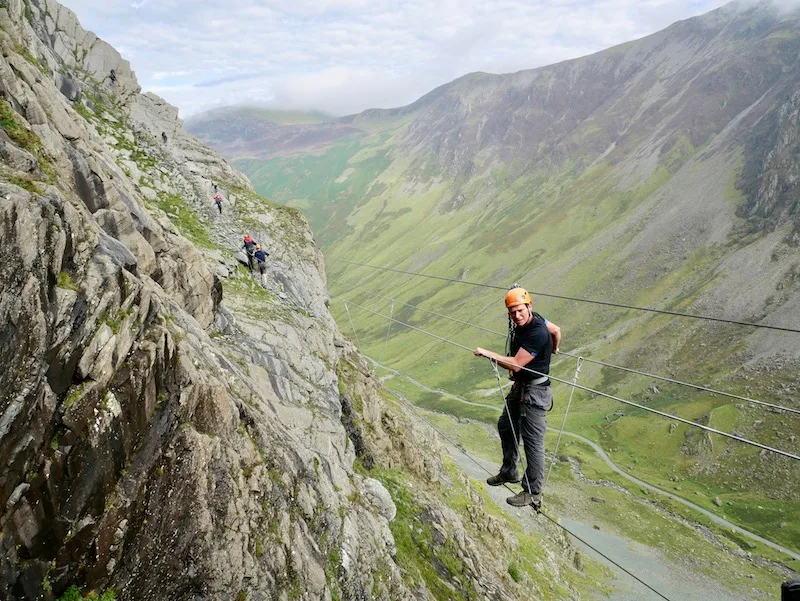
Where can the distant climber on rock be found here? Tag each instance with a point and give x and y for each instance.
(113, 76)
(164, 136)
(218, 202)
(214, 186)
(532, 340)
(261, 257)
(249, 247)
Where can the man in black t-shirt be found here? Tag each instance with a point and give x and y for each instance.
(532, 341)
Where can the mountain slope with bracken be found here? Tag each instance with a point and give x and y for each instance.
(662, 172)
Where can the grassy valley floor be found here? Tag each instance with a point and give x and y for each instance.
(662, 541)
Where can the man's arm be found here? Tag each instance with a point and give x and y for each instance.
(555, 334)
(515, 363)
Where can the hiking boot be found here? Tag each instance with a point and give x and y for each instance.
(523, 498)
(502, 479)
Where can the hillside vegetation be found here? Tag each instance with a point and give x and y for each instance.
(662, 172)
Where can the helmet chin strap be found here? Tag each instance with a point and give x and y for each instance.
(530, 314)
(513, 326)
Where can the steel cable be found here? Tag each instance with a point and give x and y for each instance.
(580, 300)
(602, 363)
(593, 391)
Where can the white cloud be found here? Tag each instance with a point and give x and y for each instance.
(343, 56)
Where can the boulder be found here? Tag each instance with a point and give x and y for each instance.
(379, 498)
(17, 158)
(120, 225)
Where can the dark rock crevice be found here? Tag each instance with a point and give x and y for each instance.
(350, 422)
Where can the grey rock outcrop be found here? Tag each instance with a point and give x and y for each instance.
(771, 174)
(153, 440)
(379, 497)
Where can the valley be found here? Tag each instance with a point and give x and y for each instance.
(659, 173)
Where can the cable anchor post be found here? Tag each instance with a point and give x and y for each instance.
(388, 329)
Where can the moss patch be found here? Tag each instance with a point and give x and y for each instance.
(65, 281)
(26, 183)
(184, 218)
(423, 559)
(23, 52)
(73, 593)
(25, 138)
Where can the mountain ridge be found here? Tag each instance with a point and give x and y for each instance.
(660, 172)
(418, 135)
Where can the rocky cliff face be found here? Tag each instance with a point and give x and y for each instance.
(168, 429)
(771, 173)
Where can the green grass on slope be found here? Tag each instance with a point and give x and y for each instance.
(317, 184)
(73, 593)
(649, 520)
(431, 558)
(553, 230)
(185, 218)
(436, 402)
(649, 525)
(422, 559)
(10, 122)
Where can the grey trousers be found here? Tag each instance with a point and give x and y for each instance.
(528, 407)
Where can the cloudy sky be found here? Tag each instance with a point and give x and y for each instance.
(343, 56)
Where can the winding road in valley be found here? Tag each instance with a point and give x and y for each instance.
(602, 454)
(718, 520)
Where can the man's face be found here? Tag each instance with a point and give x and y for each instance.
(520, 314)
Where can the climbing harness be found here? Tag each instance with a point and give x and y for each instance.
(564, 421)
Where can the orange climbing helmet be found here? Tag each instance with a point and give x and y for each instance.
(258, 247)
(517, 296)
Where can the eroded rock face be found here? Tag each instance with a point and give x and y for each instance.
(152, 440)
(141, 455)
(771, 174)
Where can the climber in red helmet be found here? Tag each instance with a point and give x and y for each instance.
(249, 247)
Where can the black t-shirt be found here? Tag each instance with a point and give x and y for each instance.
(535, 339)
